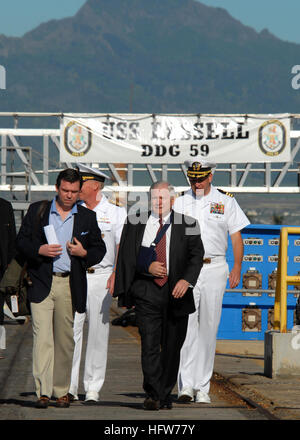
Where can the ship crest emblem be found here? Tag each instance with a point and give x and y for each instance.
(77, 139)
(272, 137)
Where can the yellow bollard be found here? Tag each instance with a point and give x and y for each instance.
(282, 280)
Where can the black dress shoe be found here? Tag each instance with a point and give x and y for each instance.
(42, 402)
(71, 397)
(151, 404)
(166, 404)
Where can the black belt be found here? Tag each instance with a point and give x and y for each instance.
(61, 274)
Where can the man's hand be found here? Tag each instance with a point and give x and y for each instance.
(180, 288)
(157, 269)
(234, 276)
(111, 283)
(50, 250)
(76, 249)
(238, 252)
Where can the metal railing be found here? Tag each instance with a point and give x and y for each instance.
(283, 280)
(44, 163)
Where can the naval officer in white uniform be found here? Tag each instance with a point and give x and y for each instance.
(100, 279)
(218, 214)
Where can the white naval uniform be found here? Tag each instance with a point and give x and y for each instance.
(218, 214)
(110, 220)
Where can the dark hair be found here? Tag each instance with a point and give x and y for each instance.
(69, 175)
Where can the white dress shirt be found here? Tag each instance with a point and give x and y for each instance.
(150, 232)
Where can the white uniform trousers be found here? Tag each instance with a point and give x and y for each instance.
(198, 351)
(97, 312)
(2, 337)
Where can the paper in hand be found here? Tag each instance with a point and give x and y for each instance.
(14, 304)
(50, 234)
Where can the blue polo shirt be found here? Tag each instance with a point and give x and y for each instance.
(64, 233)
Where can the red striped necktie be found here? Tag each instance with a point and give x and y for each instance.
(161, 254)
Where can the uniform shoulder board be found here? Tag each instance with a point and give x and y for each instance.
(182, 193)
(116, 202)
(225, 192)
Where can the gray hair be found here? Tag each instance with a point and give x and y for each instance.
(161, 183)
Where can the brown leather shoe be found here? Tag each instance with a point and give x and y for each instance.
(63, 402)
(151, 404)
(42, 402)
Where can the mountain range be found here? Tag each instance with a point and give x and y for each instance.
(141, 56)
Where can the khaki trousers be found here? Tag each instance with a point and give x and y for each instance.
(53, 343)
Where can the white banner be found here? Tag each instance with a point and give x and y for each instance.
(137, 138)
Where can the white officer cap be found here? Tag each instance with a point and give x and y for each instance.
(200, 168)
(89, 173)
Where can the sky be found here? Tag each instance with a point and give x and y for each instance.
(281, 18)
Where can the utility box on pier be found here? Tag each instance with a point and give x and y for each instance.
(245, 315)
